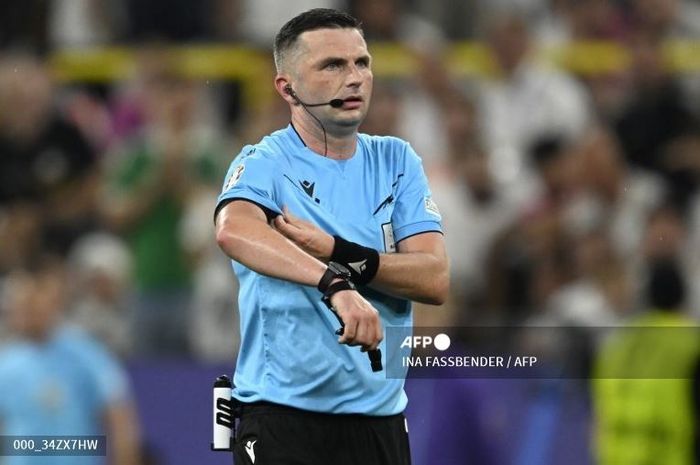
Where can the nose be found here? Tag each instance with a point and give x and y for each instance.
(355, 76)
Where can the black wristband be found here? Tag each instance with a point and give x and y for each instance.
(343, 285)
(362, 262)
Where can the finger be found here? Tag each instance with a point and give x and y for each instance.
(370, 339)
(281, 225)
(380, 334)
(291, 219)
(379, 331)
(376, 332)
(361, 336)
(288, 231)
(348, 336)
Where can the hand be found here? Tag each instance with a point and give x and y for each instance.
(363, 327)
(306, 235)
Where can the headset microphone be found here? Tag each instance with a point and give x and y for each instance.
(335, 103)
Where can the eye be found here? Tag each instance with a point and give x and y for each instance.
(332, 66)
(362, 63)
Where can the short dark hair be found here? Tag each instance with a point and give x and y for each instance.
(316, 18)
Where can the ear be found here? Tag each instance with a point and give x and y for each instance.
(283, 86)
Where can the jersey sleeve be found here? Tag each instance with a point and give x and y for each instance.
(109, 378)
(415, 212)
(250, 177)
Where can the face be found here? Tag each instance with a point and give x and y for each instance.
(334, 64)
(34, 303)
(25, 96)
(509, 43)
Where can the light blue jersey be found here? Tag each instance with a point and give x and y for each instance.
(60, 387)
(289, 352)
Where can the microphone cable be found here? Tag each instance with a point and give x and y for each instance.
(335, 103)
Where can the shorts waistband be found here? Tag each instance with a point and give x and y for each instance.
(266, 408)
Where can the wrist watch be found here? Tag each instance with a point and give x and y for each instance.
(334, 271)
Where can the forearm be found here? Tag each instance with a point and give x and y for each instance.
(418, 276)
(419, 271)
(252, 242)
(123, 435)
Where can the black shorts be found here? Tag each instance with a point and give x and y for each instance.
(271, 434)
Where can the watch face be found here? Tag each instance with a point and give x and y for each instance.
(339, 269)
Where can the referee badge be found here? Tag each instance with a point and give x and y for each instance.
(235, 177)
(431, 207)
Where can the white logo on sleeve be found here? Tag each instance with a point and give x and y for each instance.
(235, 177)
(249, 449)
(359, 267)
(431, 207)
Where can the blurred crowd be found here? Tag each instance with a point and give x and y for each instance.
(557, 190)
(561, 193)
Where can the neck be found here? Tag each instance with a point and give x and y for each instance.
(341, 146)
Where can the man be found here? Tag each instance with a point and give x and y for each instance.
(57, 381)
(356, 199)
(645, 388)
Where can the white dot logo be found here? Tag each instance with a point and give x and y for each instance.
(442, 342)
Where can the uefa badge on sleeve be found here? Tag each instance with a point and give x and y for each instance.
(431, 207)
(235, 177)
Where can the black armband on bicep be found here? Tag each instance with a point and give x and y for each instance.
(361, 261)
(269, 214)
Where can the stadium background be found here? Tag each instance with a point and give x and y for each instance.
(560, 138)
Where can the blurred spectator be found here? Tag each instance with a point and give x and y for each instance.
(666, 234)
(268, 116)
(48, 175)
(615, 197)
(532, 260)
(151, 185)
(54, 379)
(393, 21)
(564, 21)
(383, 116)
(665, 18)
(131, 98)
(89, 112)
(475, 209)
(456, 20)
(599, 293)
(85, 23)
(524, 102)
(645, 390)
(668, 21)
(419, 119)
(100, 265)
(656, 117)
(213, 327)
(260, 20)
(596, 20)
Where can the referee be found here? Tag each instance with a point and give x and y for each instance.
(318, 216)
